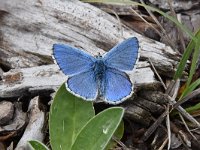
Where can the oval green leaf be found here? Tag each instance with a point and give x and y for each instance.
(36, 145)
(99, 130)
(68, 115)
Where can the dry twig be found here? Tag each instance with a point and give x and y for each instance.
(163, 84)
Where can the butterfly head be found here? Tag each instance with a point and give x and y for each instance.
(99, 56)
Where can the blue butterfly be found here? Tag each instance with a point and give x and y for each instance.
(101, 76)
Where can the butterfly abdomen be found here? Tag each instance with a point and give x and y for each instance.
(99, 70)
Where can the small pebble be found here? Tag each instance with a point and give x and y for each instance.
(6, 112)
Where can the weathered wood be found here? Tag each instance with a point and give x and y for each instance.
(137, 114)
(1, 73)
(155, 96)
(120, 10)
(153, 108)
(16, 124)
(29, 28)
(32, 80)
(34, 128)
(131, 17)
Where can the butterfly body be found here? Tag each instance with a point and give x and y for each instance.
(99, 68)
(101, 76)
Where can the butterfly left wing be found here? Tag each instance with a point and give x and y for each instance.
(117, 86)
(123, 56)
(72, 60)
(83, 85)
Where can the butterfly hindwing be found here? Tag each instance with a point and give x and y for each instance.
(83, 85)
(123, 56)
(71, 60)
(117, 86)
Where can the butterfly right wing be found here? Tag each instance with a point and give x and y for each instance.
(83, 85)
(124, 55)
(117, 86)
(71, 60)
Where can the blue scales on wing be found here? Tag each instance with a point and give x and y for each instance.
(71, 60)
(83, 85)
(117, 86)
(123, 56)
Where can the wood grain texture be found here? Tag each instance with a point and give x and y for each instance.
(48, 78)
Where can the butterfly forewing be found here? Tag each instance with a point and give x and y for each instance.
(71, 60)
(123, 56)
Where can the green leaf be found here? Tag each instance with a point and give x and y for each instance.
(190, 109)
(192, 87)
(36, 145)
(68, 115)
(183, 61)
(194, 58)
(116, 137)
(193, 108)
(99, 130)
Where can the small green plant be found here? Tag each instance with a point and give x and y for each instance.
(73, 124)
